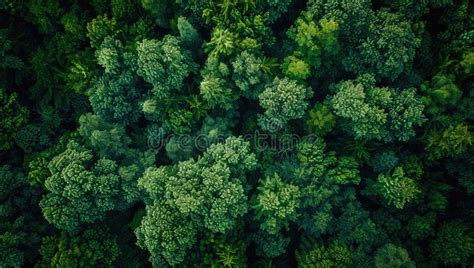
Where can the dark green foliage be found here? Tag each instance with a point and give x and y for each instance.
(388, 49)
(19, 228)
(93, 248)
(236, 133)
(454, 244)
(12, 117)
(116, 99)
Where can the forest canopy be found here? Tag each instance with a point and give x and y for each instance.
(236, 133)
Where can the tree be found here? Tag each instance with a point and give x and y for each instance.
(12, 117)
(249, 74)
(353, 18)
(94, 247)
(336, 254)
(189, 36)
(370, 112)
(214, 87)
(283, 100)
(384, 161)
(441, 93)
(108, 140)
(116, 99)
(391, 255)
(276, 204)
(195, 196)
(454, 243)
(81, 188)
(101, 27)
(314, 42)
(388, 50)
(452, 141)
(320, 120)
(20, 227)
(164, 64)
(396, 189)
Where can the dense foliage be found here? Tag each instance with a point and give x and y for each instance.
(235, 133)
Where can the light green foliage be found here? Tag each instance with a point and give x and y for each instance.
(388, 50)
(240, 25)
(313, 41)
(109, 55)
(283, 100)
(276, 204)
(81, 189)
(312, 157)
(452, 141)
(295, 68)
(214, 87)
(101, 27)
(352, 16)
(392, 256)
(441, 93)
(38, 166)
(336, 254)
(453, 245)
(249, 74)
(396, 189)
(222, 43)
(180, 121)
(204, 195)
(320, 120)
(371, 112)
(12, 117)
(82, 72)
(346, 171)
(324, 180)
(92, 248)
(189, 36)
(164, 64)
